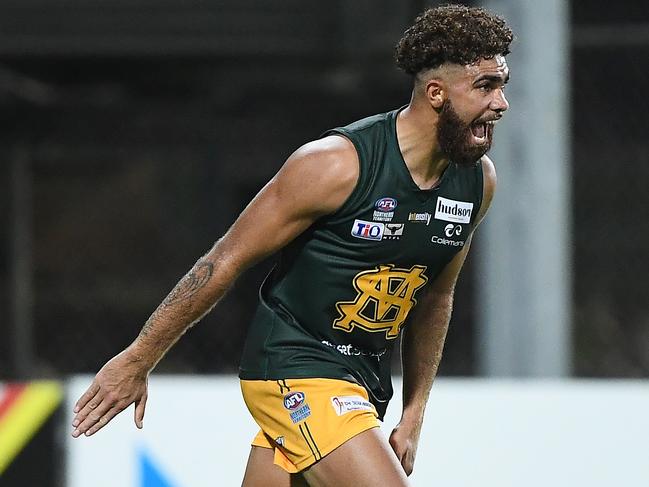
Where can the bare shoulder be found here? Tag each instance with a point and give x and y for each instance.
(489, 179)
(313, 182)
(334, 155)
(489, 175)
(329, 145)
(326, 169)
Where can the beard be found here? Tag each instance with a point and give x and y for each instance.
(454, 135)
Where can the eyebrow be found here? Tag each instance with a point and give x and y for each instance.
(494, 78)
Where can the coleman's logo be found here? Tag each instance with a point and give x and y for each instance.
(453, 211)
(385, 297)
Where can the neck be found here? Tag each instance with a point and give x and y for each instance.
(417, 136)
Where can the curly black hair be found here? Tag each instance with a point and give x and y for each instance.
(452, 34)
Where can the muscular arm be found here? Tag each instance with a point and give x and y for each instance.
(313, 182)
(423, 340)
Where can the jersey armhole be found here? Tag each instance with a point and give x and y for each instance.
(480, 178)
(358, 193)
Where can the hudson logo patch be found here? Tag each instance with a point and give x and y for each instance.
(453, 211)
(385, 296)
(368, 230)
(346, 404)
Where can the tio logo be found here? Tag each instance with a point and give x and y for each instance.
(368, 230)
(451, 229)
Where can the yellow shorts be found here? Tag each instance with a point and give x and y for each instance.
(305, 419)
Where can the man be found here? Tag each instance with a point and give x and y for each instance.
(374, 221)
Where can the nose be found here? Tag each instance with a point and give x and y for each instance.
(499, 102)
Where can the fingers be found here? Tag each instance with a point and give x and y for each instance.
(87, 396)
(103, 420)
(87, 403)
(408, 462)
(118, 384)
(397, 446)
(140, 406)
(93, 413)
(402, 450)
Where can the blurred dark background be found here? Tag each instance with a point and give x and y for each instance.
(133, 135)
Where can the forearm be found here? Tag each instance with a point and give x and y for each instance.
(191, 299)
(422, 347)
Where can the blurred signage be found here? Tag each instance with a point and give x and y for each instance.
(24, 408)
(197, 433)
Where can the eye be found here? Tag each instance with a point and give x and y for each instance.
(485, 88)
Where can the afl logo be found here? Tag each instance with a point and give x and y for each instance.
(294, 400)
(385, 204)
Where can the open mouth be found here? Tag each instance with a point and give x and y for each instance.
(482, 131)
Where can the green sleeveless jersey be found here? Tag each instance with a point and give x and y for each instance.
(342, 291)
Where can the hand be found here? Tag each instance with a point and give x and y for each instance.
(404, 440)
(119, 383)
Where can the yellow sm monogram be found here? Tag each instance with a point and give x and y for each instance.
(385, 297)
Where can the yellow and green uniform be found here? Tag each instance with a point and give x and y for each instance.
(342, 291)
(303, 420)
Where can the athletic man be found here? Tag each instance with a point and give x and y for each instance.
(374, 221)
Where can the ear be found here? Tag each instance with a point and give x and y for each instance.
(435, 93)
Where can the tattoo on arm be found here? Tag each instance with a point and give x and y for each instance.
(190, 284)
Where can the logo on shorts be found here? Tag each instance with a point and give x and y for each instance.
(301, 414)
(294, 400)
(296, 403)
(280, 440)
(346, 404)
